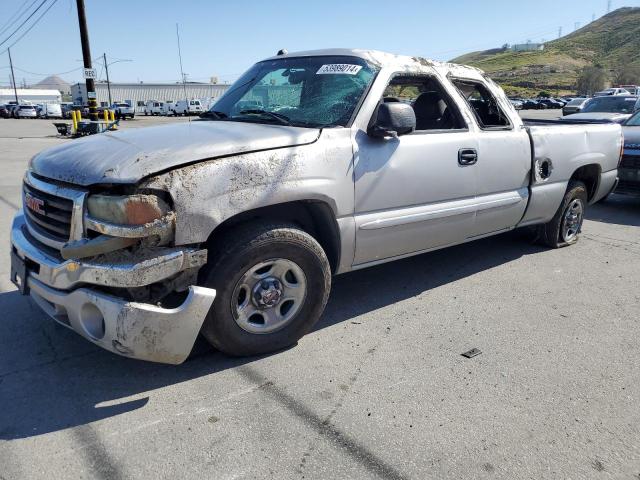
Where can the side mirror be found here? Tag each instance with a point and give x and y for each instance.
(393, 119)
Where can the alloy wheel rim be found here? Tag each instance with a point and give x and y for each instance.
(572, 221)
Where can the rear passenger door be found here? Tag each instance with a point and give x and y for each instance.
(504, 159)
(415, 192)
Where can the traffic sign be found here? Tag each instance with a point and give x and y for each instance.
(90, 74)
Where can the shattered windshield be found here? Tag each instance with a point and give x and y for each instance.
(304, 91)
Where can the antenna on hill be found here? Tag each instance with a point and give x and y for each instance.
(608, 6)
(559, 32)
(576, 26)
(184, 83)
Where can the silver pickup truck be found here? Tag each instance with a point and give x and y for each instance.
(312, 164)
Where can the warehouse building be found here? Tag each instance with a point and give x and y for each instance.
(527, 47)
(138, 94)
(30, 95)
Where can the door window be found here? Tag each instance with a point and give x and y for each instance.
(434, 108)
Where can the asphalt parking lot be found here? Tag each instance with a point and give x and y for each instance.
(378, 389)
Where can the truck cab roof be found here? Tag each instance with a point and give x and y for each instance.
(390, 60)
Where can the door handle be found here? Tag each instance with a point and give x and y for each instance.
(467, 156)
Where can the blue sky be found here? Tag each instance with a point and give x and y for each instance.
(223, 38)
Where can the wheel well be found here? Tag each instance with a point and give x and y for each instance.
(314, 217)
(590, 176)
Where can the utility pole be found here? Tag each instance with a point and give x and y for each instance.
(86, 58)
(106, 68)
(13, 77)
(559, 32)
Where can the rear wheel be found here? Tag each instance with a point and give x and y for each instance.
(564, 228)
(272, 283)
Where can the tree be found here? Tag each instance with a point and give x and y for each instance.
(628, 75)
(544, 94)
(591, 80)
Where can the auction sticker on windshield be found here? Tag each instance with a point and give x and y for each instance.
(341, 68)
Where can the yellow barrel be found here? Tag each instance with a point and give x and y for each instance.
(105, 114)
(74, 120)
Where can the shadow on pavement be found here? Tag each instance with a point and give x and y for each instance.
(52, 379)
(617, 209)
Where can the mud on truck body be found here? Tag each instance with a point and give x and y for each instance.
(312, 164)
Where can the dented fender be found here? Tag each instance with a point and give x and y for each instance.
(207, 193)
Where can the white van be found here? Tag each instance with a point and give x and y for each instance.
(50, 110)
(169, 108)
(189, 107)
(154, 107)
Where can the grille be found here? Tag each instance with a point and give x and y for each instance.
(630, 161)
(624, 186)
(55, 222)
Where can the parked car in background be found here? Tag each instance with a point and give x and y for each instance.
(550, 103)
(169, 108)
(614, 108)
(4, 111)
(26, 111)
(66, 108)
(50, 110)
(531, 104)
(13, 110)
(632, 89)
(154, 107)
(123, 110)
(189, 107)
(629, 168)
(612, 91)
(517, 104)
(82, 109)
(574, 106)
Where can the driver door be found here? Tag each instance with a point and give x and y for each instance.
(413, 193)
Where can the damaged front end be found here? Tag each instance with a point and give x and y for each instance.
(106, 266)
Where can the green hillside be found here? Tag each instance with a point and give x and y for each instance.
(611, 41)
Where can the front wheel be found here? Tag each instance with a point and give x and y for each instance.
(272, 283)
(565, 226)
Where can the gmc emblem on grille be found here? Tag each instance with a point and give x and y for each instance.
(35, 204)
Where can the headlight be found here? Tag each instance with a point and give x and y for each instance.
(126, 209)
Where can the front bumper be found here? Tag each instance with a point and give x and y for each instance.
(62, 288)
(136, 330)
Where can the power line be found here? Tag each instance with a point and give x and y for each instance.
(16, 16)
(23, 23)
(47, 74)
(32, 25)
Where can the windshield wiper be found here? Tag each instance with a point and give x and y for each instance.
(282, 119)
(213, 115)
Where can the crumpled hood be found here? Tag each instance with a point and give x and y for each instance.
(607, 116)
(130, 155)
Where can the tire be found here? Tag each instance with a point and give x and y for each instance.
(254, 248)
(563, 229)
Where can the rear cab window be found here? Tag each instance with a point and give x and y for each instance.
(484, 105)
